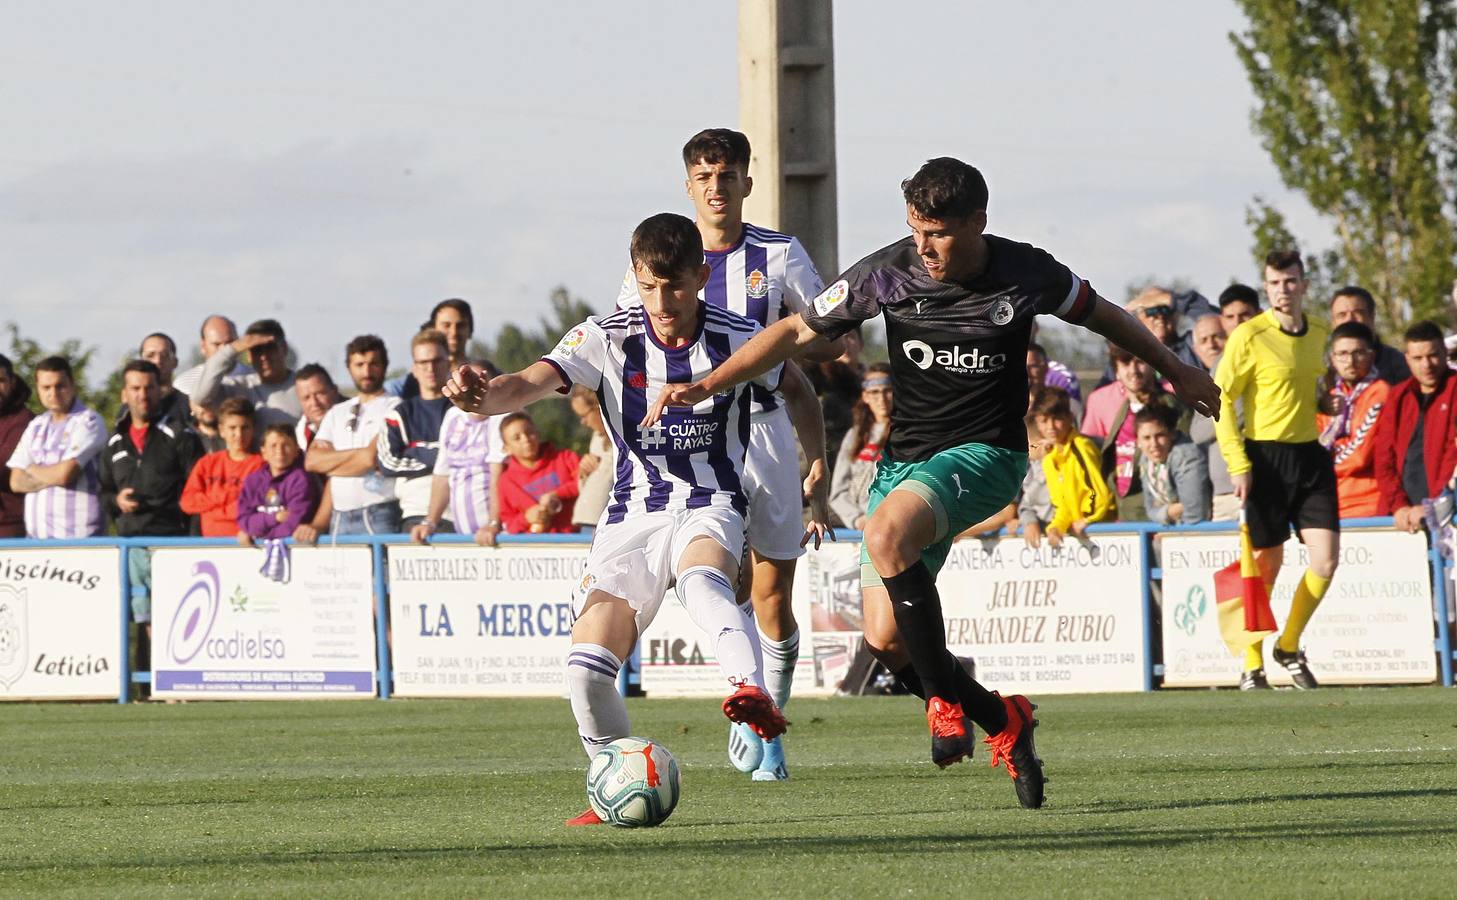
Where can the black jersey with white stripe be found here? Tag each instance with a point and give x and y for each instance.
(958, 352)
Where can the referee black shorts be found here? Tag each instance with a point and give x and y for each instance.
(1291, 484)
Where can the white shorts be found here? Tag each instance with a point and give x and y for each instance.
(771, 482)
(637, 559)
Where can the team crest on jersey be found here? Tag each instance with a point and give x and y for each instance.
(1001, 313)
(756, 285)
(833, 296)
(570, 342)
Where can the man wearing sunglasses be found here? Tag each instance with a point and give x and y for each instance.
(1156, 310)
(268, 386)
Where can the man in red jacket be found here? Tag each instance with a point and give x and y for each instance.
(1416, 440)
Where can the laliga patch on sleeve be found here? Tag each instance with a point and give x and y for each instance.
(569, 343)
(833, 296)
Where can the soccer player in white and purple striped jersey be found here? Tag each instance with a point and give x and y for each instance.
(677, 509)
(762, 275)
(55, 463)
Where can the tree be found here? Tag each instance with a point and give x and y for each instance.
(515, 348)
(1356, 103)
(25, 353)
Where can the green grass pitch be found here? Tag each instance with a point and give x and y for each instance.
(1331, 793)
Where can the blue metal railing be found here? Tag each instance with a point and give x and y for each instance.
(1146, 531)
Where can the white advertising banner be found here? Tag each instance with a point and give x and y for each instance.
(830, 579)
(221, 630)
(59, 621)
(1373, 627)
(480, 621)
(1048, 621)
(1045, 621)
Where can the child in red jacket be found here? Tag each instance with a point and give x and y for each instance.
(216, 481)
(539, 484)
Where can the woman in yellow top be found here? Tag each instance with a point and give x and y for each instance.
(1075, 482)
(1281, 473)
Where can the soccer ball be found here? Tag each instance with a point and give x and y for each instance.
(633, 782)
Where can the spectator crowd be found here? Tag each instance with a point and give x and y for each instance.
(244, 447)
(1129, 451)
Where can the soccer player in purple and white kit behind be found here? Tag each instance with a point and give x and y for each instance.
(762, 275)
(958, 307)
(677, 509)
(55, 463)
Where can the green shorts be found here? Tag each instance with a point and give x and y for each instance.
(963, 485)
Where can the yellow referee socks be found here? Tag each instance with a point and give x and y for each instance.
(1307, 597)
(1255, 656)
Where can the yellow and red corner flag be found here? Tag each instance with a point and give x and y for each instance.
(1241, 599)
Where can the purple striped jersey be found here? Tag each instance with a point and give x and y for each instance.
(766, 277)
(63, 512)
(468, 446)
(691, 458)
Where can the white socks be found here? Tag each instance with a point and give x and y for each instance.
(592, 682)
(780, 658)
(709, 599)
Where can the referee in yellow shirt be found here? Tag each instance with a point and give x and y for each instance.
(1281, 474)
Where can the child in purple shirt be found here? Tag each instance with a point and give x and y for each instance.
(278, 498)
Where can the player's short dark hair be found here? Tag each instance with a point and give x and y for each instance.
(457, 304)
(280, 428)
(1353, 330)
(237, 406)
(1423, 331)
(313, 370)
(666, 244)
(142, 365)
(1284, 259)
(1360, 293)
(1239, 293)
(6, 364)
(1052, 403)
(717, 146)
(946, 188)
(513, 418)
(1034, 347)
(1156, 412)
(267, 327)
(171, 344)
(54, 364)
(367, 343)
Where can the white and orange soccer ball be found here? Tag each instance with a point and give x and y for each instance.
(633, 782)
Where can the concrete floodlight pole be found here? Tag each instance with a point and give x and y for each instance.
(787, 108)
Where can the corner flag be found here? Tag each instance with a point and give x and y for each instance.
(1241, 599)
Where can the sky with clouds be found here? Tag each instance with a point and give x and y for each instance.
(342, 167)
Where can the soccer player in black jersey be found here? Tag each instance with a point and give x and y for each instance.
(959, 306)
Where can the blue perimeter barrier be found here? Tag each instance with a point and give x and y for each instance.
(1443, 643)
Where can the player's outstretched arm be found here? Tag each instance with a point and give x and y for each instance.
(470, 390)
(786, 338)
(1191, 385)
(809, 424)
